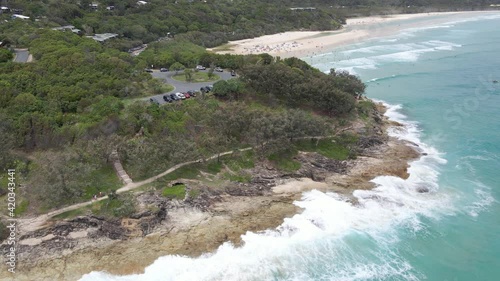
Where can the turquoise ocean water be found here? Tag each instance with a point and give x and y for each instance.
(438, 81)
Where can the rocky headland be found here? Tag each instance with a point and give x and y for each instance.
(67, 249)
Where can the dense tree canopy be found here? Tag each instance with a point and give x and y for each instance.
(62, 115)
(72, 88)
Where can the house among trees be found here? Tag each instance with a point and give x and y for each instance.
(4, 9)
(94, 6)
(303, 8)
(68, 27)
(16, 16)
(103, 36)
(140, 3)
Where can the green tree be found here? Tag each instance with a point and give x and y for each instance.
(177, 66)
(188, 73)
(210, 72)
(228, 89)
(5, 55)
(60, 177)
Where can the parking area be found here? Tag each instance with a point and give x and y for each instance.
(180, 86)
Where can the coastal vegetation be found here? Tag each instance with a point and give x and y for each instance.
(205, 23)
(61, 129)
(62, 115)
(192, 76)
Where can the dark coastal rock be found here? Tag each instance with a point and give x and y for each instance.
(243, 190)
(204, 199)
(112, 230)
(422, 189)
(141, 215)
(369, 141)
(314, 164)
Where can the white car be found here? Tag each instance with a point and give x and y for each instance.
(181, 96)
(200, 67)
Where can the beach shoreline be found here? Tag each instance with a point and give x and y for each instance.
(309, 43)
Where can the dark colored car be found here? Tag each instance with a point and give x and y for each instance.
(148, 70)
(233, 73)
(153, 101)
(167, 98)
(192, 93)
(163, 69)
(210, 87)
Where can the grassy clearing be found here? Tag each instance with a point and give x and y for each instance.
(196, 77)
(337, 148)
(239, 177)
(187, 172)
(237, 162)
(167, 88)
(21, 202)
(21, 207)
(175, 192)
(283, 160)
(193, 193)
(225, 47)
(213, 167)
(102, 180)
(119, 206)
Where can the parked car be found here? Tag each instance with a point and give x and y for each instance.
(210, 87)
(167, 98)
(180, 96)
(174, 97)
(163, 69)
(233, 73)
(218, 69)
(187, 95)
(154, 101)
(192, 93)
(148, 70)
(200, 67)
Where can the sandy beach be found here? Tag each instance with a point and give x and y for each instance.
(307, 43)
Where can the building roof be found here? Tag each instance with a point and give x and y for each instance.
(63, 27)
(103, 36)
(303, 8)
(20, 17)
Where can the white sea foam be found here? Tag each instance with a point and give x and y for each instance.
(332, 239)
(409, 52)
(484, 199)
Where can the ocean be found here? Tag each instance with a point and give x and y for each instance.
(437, 80)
